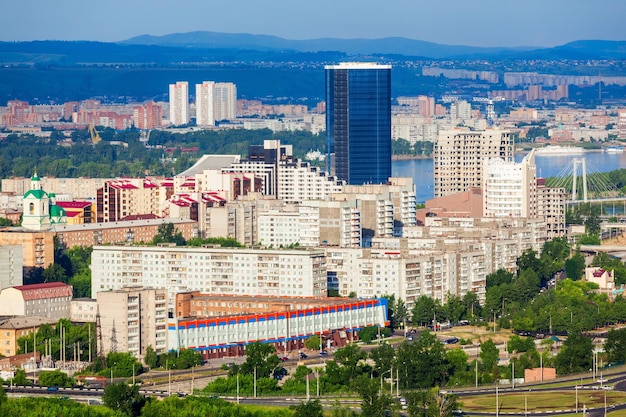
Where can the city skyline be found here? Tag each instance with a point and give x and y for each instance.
(484, 23)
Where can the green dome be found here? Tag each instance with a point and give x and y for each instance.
(57, 211)
(38, 194)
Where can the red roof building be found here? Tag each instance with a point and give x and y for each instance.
(50, 300)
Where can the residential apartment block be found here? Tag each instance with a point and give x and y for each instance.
(11, 273)
(459, 155)
(179, 103)
(208, 269)
(131, 319)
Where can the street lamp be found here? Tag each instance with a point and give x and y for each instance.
(381, 381)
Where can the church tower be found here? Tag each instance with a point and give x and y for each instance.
(36, 207)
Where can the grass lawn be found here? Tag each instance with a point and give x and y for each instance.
(542, 401)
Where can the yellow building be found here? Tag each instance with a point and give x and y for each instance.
(12, 328)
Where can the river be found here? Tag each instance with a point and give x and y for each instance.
(421, 170)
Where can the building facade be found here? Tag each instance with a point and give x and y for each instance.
(459, 155)
(215, 270)
(11, 273)
(358, 122)
(131, 319)
(205, 97)
(335, 321)
(50, 300)
(179, 103)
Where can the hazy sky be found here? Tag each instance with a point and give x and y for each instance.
(460, 22)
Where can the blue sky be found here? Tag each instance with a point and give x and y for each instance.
(460, 22)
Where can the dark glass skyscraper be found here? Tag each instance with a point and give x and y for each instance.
(358, 122)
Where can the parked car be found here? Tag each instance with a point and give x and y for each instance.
(303, 355)
(323, 353)
(284, 358)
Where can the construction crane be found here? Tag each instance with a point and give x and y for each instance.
(95, 136)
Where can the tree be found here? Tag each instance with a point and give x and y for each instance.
(373, 404)
(575, 266)
(260, 357)
(615, 345)
(55, 378)
(311, 408)
(349, 357)
(3, 395)
(313, 342)
(489, 354)
(124, 398)
(150, 358)
(167, 233)
(575, 355)
(383, 356)
(20, 378)
(423, 311)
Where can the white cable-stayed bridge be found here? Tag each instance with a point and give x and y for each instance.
(586, 184)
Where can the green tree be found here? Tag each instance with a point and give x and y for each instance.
(3, 396)
(423, 311)
(373, 404)
(260, 357)
(20, 378)
(311, 408)
(55, 378)
(489, 354)
(313, 342)
(167, 233)
(383, 356)
(615, 345)
(150, 358)
(124, 398)
(575, 266)
(575, 355)
(349, 357)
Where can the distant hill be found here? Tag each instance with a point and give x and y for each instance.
(197, 47)
(583, 49)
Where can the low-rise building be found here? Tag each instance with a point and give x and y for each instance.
(14, 327)
(50, 300)
(336, 320)
(83, 310)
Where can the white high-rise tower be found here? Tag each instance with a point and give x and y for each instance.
(205, 103)
(179, 103)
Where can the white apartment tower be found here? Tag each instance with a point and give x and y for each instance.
(459, 156)
(179, 103)
(205, 103)
(225, 102)
(510, 188)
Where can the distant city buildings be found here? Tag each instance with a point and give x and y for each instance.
(358, 122)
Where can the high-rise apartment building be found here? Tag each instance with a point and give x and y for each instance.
(358, 122)
(225, 103)
(179, 103)
(205, 97)
(215, 102)
(459, 156)
(510, 188)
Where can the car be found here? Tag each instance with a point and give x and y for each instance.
(283, 358)
(451, 341)
(53, 389)
(323, 353)
(409, 338)
(303, 355)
